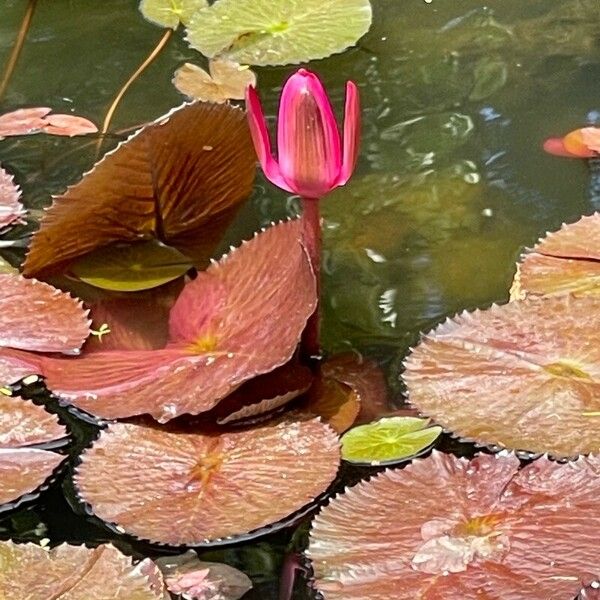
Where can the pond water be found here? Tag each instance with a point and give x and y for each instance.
(452, 182)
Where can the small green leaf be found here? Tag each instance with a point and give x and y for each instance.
(278, 32)
(490, 76)
(387, 441)
(169, 13)
(131, 267)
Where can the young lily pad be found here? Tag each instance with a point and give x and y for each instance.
(446, 527)
(240, 318)
(169, 13)
(199, 580)
(73, 573)
(388, 441)
(227, 81)
(26, 121)
(564, 262)
(131, 267)
(524, 376)
(194, 488)
(336, 403)
(23, 468)
(179, 180)
(278, 32)
(36, 316)
(11, 209)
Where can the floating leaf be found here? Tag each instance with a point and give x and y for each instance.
(227, 81)
(365, 378)
(71, 573)
(240, 318)
(525, 375)
(336, 403)
(388, 441)
(24, 469)
(131, 267)
(590, 592)
(193, 488)
(445, 527)
(35, 316)
(179, 180)
(11, 209)
(169, 13)
(278, 32)
(567, 261)
(199, 580)
(26, 121)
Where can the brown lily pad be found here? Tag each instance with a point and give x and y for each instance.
(179, 180)
(23, 469)
(11, 209)
(337, 404)
(240, 318)
(566, 261)
(194, 488)
(525, 375)
(36, 316)
(72, 573)
(445, 527)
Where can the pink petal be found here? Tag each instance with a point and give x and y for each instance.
(308, 139)
(261, 140)
(11, 209)
(556, 147)
(35, 316)
(351, 133)
(23, 121)
(68, 125)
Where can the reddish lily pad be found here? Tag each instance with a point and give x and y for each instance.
(525, 375)
(36, 316)
(199, 580)
(337, 404)
(11, 209)
(72, 573)
(179, 180)
(445, 527)
(23, 469)
(567, 261)
(193, 488)
(26, 121)
(240, 318)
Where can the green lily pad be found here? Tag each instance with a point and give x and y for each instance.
(131, 267)
(389, 440)
(278, 32)
(169, 13)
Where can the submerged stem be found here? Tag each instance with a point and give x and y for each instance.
(594, 188)
(113, 107)
(16, 51)
(311, 232)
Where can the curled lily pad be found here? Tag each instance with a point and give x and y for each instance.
(73, 573)
(446, 527)
(278, 32)
(24, 469)
(193, 488)
(11, 209)
(388, 441)
(336, 403)
(566, 261)
(240, 318)
(525, 375)
(132, 267)
(227, 81)
(36, 316)
(169, 13)
(179, 180)
(200, 580)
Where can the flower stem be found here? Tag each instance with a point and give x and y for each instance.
(113, 107)
(16, 51)
(311, 232)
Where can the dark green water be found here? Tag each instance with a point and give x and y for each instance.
(452, 182)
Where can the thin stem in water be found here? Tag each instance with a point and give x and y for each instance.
(311, 232)
(113, 107)
(16, 51)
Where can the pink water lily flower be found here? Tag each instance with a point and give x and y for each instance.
(311, 160)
